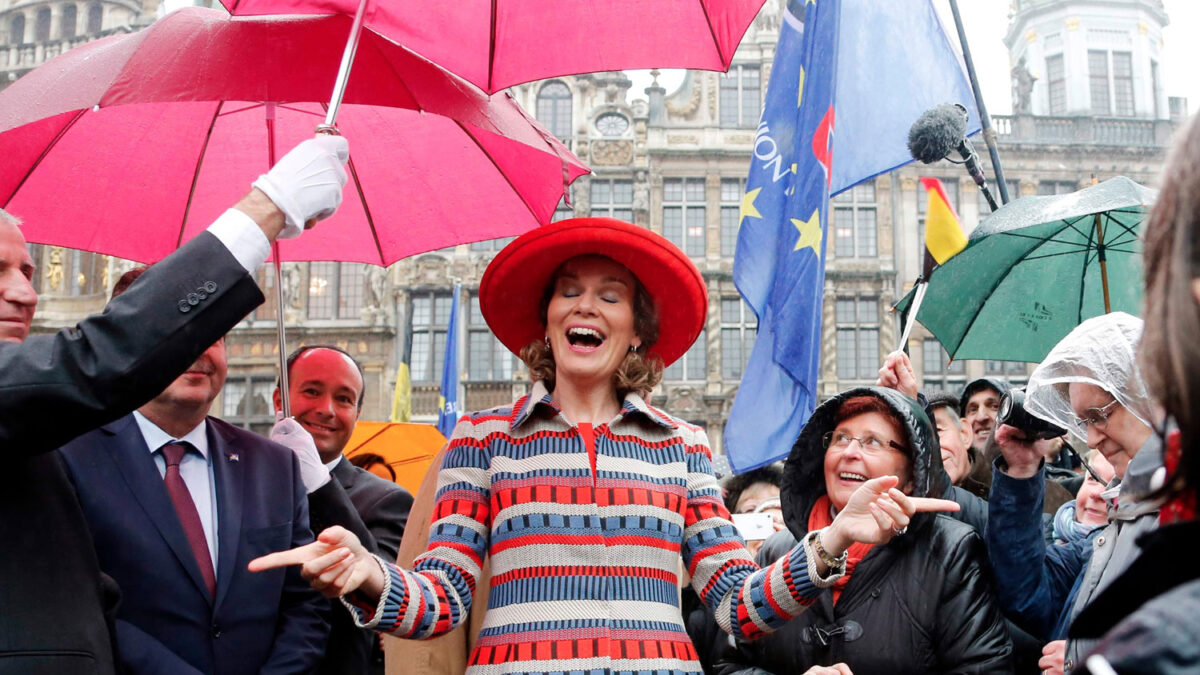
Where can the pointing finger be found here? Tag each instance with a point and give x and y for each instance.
(295, 556)
(927, 504)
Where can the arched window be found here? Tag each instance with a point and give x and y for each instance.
(554, 108)
(41, 30)
(16, 30)
(95, 19)
(69, 19)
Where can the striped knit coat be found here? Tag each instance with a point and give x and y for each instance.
(584, 566)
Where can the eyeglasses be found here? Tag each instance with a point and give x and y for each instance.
(842, 440)
(1097, 417)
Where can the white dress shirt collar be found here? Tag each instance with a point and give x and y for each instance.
(156, 437)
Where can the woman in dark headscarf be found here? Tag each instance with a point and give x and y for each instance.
(916, 602)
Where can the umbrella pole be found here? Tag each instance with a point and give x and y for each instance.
(915, 307)
(343, 76)
(1100, 254)
(284, 389)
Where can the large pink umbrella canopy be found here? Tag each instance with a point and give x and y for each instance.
(499, 43)
(132, 144)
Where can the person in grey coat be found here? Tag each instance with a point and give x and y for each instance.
(1091, 385)
(1149, 617)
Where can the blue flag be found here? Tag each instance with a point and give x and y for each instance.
(448, 407)
(849, 79)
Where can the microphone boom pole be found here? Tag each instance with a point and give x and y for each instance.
(985, 120)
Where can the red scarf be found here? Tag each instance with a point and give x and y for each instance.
(1183, 506)
(820, 517)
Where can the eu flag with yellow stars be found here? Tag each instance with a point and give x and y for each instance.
(849, 79)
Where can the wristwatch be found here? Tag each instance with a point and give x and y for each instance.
(838, 563)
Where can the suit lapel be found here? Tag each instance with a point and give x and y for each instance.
(227, 469)
(345, 474)
(136, 464)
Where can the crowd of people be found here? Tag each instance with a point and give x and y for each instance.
(906, 531)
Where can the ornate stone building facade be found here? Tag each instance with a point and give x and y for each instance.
(32, 31)
(676, 162)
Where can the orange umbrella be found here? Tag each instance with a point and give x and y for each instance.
(408, 448)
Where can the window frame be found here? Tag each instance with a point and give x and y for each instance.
(690, 210)
(554, 105)
(740, 96)
(862, 330)
(854, 202)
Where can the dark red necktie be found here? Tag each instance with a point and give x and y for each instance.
(188, 516)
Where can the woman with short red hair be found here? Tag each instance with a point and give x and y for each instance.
(918, 601)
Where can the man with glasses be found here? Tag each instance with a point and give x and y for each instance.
(1089, 384)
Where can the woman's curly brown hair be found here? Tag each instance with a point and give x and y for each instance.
(639, 372)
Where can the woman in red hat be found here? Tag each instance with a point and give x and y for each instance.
(583, 496)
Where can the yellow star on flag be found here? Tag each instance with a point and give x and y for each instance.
(748, 208)
(800, 89)
(810, 233)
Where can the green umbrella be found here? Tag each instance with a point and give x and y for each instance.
(1035, 269)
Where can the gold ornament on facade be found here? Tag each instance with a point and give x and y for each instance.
(1073, 23)
(612, 153)
(686, 107)
(54, 269)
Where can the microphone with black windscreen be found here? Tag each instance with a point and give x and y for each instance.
(940, 131)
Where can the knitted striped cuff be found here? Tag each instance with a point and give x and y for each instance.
(358, 613)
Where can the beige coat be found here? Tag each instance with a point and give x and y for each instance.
(445, 655)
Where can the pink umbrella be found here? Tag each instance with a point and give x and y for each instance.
(132, 144)
(499, 43)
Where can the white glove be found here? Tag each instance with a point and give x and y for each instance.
(288, 433)
(307, 182)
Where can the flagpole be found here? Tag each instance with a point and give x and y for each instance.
(911, 313)
(985, 120)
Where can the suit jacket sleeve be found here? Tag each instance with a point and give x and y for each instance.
(143, 654)
(56, 387)
(379, 525)
(387, 519)
(302, 632)
(329, 505)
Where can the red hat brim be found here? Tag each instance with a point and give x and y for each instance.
(512, 286)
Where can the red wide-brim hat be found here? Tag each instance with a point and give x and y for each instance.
(514, 282)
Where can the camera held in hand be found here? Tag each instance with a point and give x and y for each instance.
(1013, 413)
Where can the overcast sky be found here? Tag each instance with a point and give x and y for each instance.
(986, 21)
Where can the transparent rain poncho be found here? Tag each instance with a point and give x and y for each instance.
(1100, 351)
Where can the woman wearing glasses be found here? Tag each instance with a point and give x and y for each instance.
(1091, 385)
(914, 602)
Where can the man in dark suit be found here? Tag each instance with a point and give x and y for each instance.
(53, 599)
(325, 386)
(189, 603)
